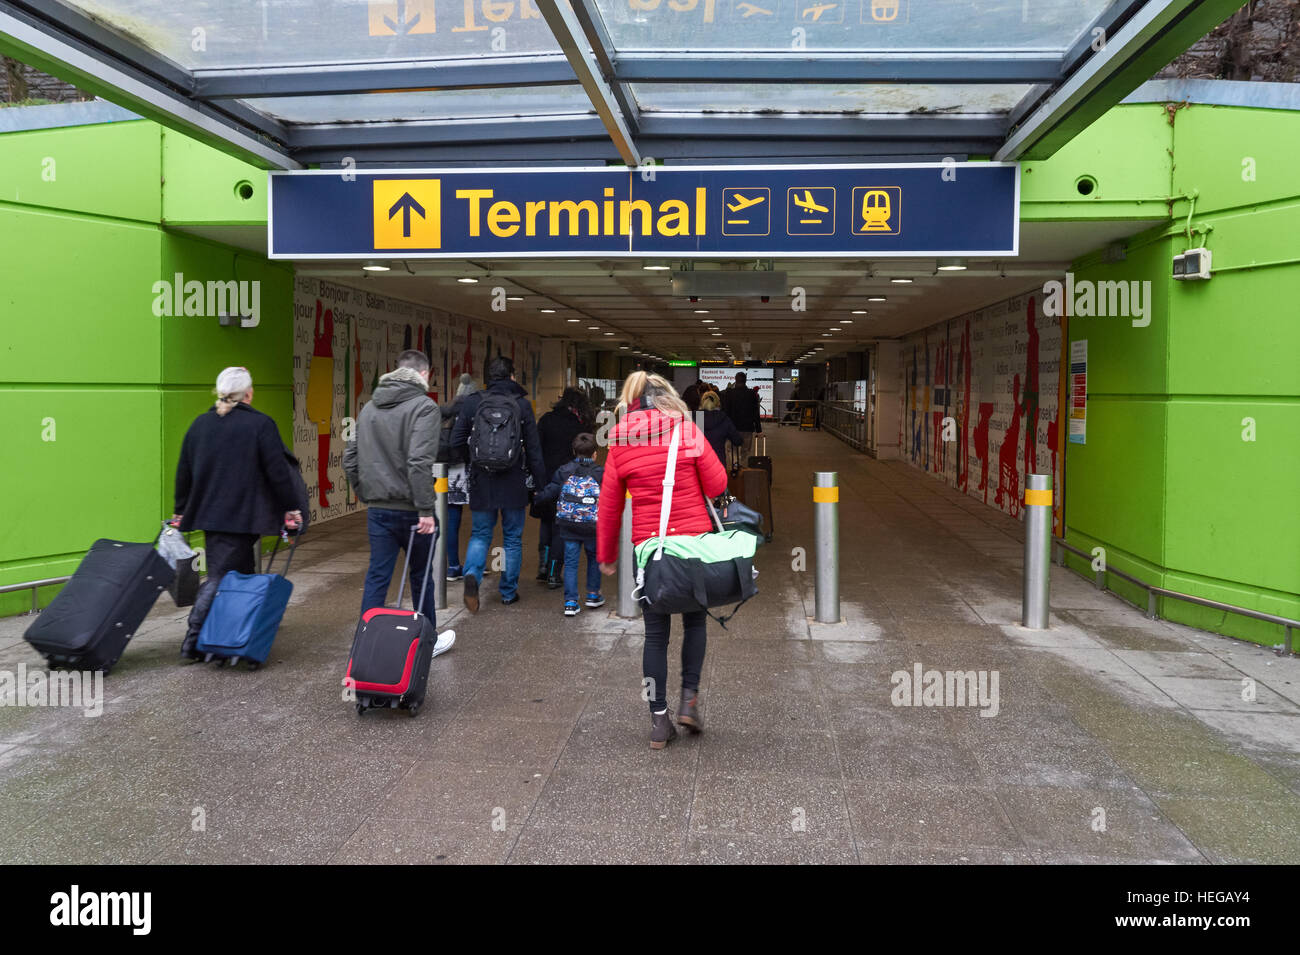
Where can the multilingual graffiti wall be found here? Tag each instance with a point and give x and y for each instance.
(345, 338)
(980, 401)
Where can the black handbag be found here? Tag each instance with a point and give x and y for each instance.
(734, 515)
(686, 573)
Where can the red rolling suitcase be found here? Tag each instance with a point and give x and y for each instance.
(389, 663)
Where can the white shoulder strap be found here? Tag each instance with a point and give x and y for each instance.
(670, 476)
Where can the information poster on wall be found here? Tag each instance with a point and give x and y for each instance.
(761, 378)
(1079, 391)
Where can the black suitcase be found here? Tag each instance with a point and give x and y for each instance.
(87, 626)
(761, 460)
(392, 649)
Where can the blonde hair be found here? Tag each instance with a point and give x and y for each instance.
(661, 395)
(709, 401)
(233, 385)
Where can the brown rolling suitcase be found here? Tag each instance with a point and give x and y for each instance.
(753, 488)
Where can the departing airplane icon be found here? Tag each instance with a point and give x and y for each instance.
(743, 203)
(807, 203)
(818, 9)
(748, 10)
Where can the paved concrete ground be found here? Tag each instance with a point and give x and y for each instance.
(1117, 739)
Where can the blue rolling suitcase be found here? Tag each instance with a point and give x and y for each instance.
(246, 614)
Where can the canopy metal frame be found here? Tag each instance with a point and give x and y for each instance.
(1128, 42)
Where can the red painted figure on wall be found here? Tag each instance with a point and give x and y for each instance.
(982, 446)
(1008, 454)
(320, 395)
(1031, 392)
(963, 411)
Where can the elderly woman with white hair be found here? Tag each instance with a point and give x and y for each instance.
(236, 482)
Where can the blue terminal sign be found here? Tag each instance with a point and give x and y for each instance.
(868, 211)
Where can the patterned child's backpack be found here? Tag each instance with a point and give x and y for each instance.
(579, 497)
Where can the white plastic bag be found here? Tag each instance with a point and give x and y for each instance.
(172, 546)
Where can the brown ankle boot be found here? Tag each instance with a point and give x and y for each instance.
(689, 716)
(662, 730)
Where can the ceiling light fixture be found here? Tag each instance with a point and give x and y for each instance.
(547, 311)
(467, 280)
(901, 281)
(951, 265)
(655, 265)
(514, 298)
(859, 311)
(375, 266)
(876, 298)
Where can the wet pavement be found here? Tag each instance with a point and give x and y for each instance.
(1111, 737)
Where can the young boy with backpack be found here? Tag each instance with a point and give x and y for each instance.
(575, 487)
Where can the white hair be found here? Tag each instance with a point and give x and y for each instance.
(233, 385)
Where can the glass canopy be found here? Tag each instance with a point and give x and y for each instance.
(288, 83)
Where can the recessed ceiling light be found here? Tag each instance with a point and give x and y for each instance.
(826, 334)
(656, 265)
(467, 280)
(573, 319)
(593, 328)
(834, 328)
(374, 266)
(547, 311)
(623, 347)
(846, 321)
(901, 281)
(951, 265)
(859, 311)
(701, 311)
(514, 298)
(707, 321)
(876, 298)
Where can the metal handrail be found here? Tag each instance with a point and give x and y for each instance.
(1152, 612)
(34, 586)
(857, 423)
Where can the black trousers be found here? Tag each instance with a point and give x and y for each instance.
(550, 546)
(654, 655)
(222, 552)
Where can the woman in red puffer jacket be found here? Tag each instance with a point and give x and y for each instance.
(649, 409)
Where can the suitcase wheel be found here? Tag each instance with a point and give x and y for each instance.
(234, 662)
(414, 710)
(207, 658)
(768, 537)
(361, 709)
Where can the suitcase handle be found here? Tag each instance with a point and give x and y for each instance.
(428, 570)
(289, 560)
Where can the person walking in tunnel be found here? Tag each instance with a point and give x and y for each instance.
(497, 428)
(717, 427)
(389, 465)
(457, 476)
(649, 411)
(236, 482)
(568, 417)
(574, 490)
(745, 413)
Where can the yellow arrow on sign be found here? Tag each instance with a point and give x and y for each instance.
(401, 17)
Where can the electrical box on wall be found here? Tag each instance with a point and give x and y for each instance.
(1192, 264)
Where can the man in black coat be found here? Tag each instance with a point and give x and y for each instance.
(746, 414)
(493, 492)
(236, 483)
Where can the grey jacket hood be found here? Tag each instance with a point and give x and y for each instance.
(398, 386)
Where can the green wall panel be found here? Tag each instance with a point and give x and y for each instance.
(77, 302)
(1114, 484)
(1231, 505)
(111, 169)
(202, 185)
(1213, 144)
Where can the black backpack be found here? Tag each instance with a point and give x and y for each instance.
(495, 439)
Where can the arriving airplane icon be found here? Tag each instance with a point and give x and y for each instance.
(748, 10)
(743, 203)
(807, 203)
(818, 9)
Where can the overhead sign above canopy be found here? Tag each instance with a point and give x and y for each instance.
(869, 211)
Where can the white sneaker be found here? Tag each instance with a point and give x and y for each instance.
(444, 642)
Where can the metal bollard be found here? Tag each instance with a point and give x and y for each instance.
(627, 605)
(1038, 551)
(440, 545)
(826, 524)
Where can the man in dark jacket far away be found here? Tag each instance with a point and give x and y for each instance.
(496, 487)
(746, 414)
(234, 482)
(390, 467)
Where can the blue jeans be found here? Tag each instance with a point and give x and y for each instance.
(390, 531)
(452, 535)
(572, 552)
(512, 536)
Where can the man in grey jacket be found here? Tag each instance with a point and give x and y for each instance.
(390, 467)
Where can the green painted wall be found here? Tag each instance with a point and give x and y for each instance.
(84, 358)
(1167, 482)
